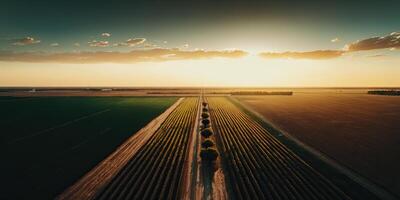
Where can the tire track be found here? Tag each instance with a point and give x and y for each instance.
(44, 131)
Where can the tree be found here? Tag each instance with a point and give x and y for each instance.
(209, 154)
(205, 110)
(205, 115)
(205, 122)
(207, 143)
(207, 132)
(204, 104)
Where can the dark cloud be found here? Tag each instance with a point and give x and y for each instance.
(25, 41)
(389, 41)
(318, 54)
(150, 55)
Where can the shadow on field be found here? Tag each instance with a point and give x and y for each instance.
(208, 170)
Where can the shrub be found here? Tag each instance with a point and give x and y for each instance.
(207, 143)
(205, 110)
(205, 115)
(205, 122)
(209, 154)
(206, 132)
(204, 104)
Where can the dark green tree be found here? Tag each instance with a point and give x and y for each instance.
(207, 143)
(205, 115)
(209, 154)
(205, 122)
(207, 132)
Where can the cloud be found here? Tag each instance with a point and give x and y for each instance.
(77, 44)
(106, 34)
(335, 40)
(135, 41)
(389, 41)
(318, 54)
(149, 45)
(54, 44)
(96, 43)
(377, 56)
(121, 44)
(131, 42)
(149, 55)
(185, 46)
(25, 41)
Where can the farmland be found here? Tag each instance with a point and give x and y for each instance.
(258, 165)
(157, 169)
(359, 131)
(199, 147)
(50, 142)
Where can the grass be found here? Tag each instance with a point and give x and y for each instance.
(48, 143)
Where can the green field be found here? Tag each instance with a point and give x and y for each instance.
(47, 143)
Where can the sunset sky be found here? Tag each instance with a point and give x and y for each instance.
(200, 43)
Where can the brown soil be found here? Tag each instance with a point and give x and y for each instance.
(190, 168)
(359, 131)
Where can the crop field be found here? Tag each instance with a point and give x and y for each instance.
(50, 143)
(359, 131)
(258, 165)
(156, 170)
(47, 143)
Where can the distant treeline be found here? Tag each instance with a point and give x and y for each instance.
(262, 93)
(227, 93)
(173, 92)
(385, 92)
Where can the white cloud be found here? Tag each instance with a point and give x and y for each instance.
(131, 42)
(135, 41)
(54, 44)
(106, 34)
(335, 40)
(95, 43)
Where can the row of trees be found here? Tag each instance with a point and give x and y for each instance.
(208, 152)
(385, 92)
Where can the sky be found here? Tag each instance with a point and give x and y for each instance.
(303, 43)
